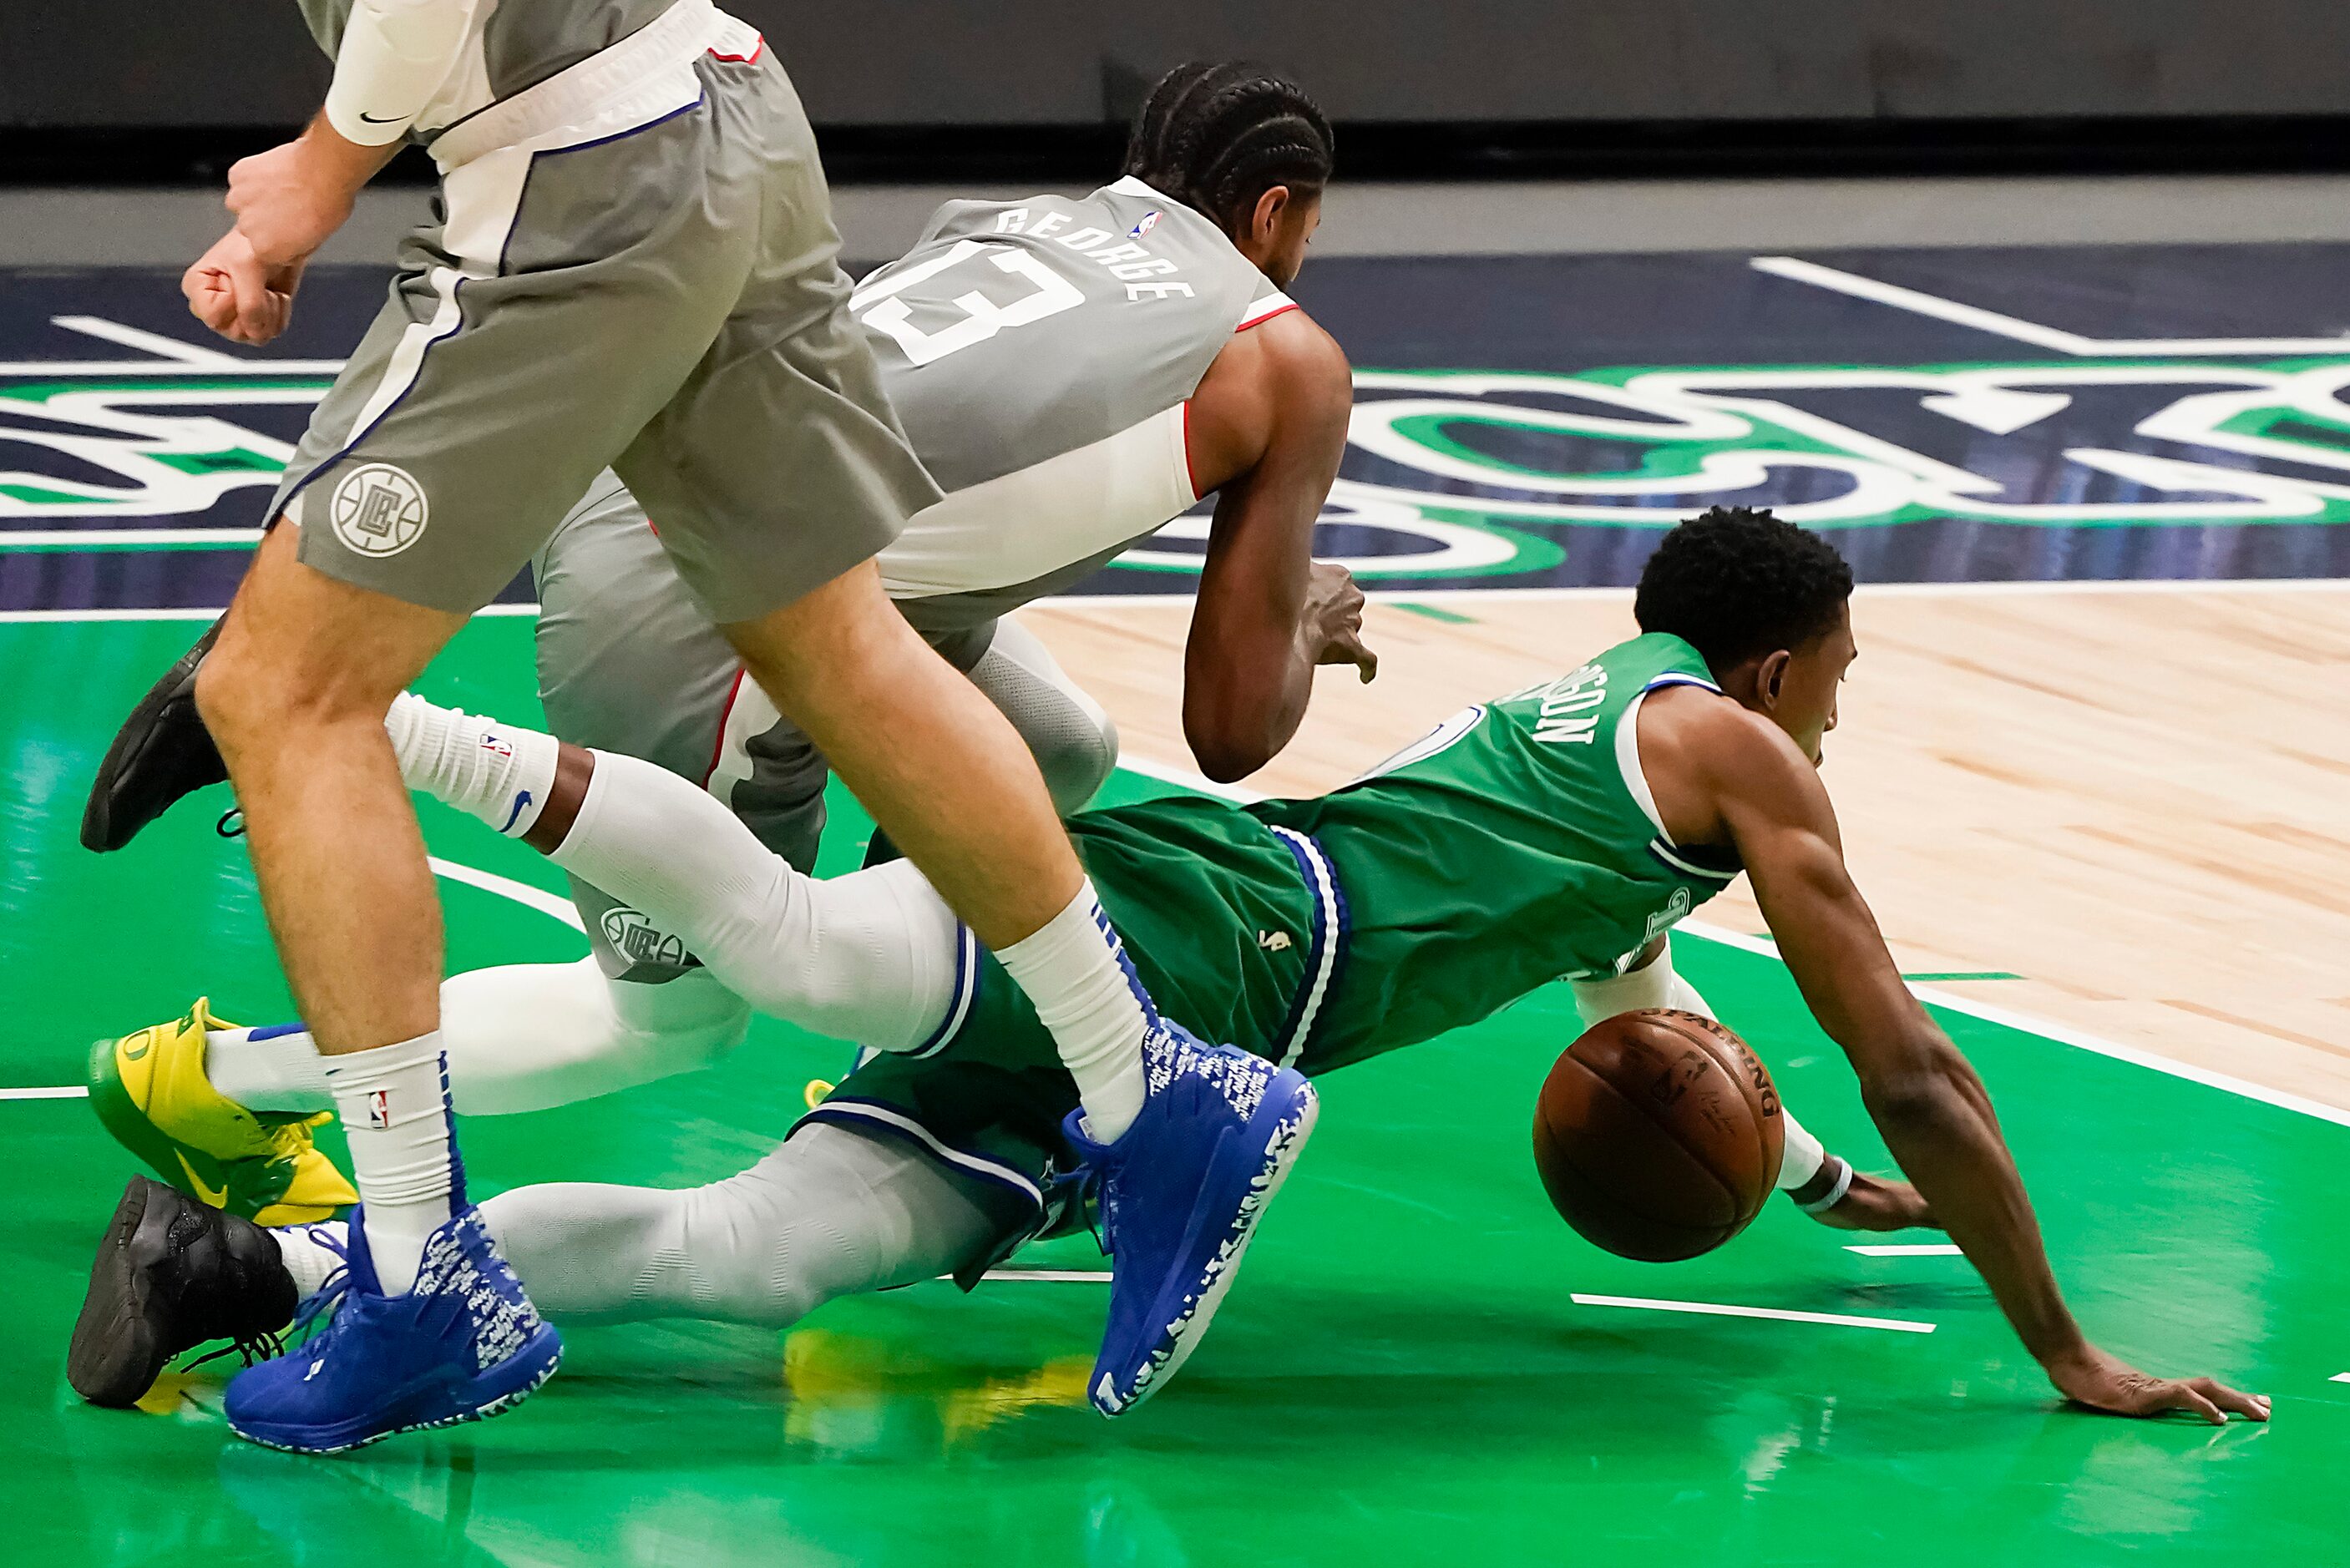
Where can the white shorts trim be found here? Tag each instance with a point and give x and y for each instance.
(838, 1109)
(645, 76)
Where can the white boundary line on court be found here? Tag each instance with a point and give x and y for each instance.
(2007, 1018)
(1933, 995)
(553, 905)
(1779, 1315)
(65, 1092)
(1912, 1249)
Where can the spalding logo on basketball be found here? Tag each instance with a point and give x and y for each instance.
(379, 510)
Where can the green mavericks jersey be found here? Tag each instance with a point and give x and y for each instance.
(1516, 845)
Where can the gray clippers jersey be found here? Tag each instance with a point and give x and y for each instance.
(1039, 354)
(518, 43)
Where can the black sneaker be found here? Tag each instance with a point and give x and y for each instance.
(172, 1274)
(161, 753)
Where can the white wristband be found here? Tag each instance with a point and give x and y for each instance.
(1836, 1192)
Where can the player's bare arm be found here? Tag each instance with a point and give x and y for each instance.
(1268, 428)
(1726, 774)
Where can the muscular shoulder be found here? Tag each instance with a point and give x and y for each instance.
(1302, 362)
(1706, 757)
(1285, 378)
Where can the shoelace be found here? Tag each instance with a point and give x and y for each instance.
(268, 1346)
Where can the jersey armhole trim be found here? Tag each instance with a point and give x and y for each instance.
(1628, 749)
(1191, 470)
(1265, 310)
(718, 746)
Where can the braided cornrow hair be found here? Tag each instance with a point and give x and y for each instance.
(1216, 137)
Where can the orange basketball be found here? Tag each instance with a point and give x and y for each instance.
(1658, 1134)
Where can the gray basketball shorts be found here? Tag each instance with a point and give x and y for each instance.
(666, 302)
(629, 663)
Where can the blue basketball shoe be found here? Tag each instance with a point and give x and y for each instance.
(1180, 1195)
(463, 1344)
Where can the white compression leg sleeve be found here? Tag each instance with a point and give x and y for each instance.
(871, 958)
(832, 1213)
(1073, 740)
(519, 1037)
(1653, 984)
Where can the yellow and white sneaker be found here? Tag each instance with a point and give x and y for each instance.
(150, 1090)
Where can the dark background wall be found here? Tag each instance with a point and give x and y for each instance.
(195, 63)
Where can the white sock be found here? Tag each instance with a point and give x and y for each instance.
(499, 772)
(307, 1255)
(277, 1068)
(1075, 971)
(394, 1105)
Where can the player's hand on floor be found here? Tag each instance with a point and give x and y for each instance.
(1334, 613)
(1873, 1203)
(230, 291)
(2090, 1376)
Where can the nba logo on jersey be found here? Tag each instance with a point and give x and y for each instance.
(379, 1109)
(1149, 222)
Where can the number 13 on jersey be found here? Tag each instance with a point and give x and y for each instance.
(878, 307)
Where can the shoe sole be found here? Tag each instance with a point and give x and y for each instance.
(287, 1440)
(113, 1343)
(130, 747)
(1182, 1336)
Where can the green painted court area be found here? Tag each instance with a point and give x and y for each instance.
(1403, 1375)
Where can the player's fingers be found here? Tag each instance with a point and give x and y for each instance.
(1345, 648)
(2253, 1406)
(211, 300)
(2184, 1396)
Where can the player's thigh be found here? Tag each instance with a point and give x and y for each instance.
(778, 465)
(526, 341)
(627, 660)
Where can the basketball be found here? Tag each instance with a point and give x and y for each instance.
(1657, 1136)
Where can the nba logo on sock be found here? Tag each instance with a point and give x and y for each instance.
(379, 1109)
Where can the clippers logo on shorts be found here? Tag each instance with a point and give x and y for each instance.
(378, 509)
(639, 940)
(379, 1109)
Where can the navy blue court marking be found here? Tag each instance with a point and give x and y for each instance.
(1527, 421)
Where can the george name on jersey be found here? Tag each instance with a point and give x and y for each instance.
(1130, 263)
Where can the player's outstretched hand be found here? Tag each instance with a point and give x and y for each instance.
(1873, 1203)
(1333, 612)
(230, 291)
(2090, 1376)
